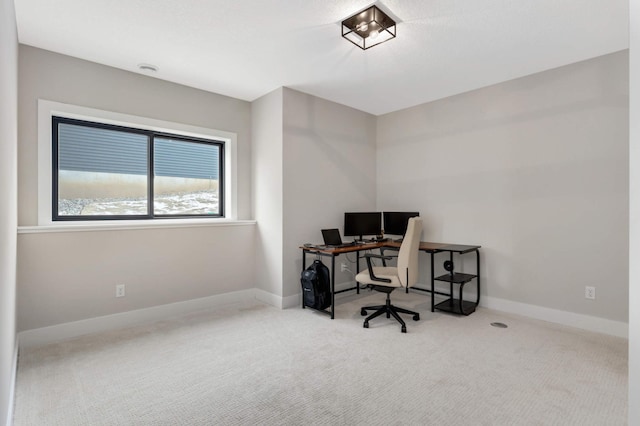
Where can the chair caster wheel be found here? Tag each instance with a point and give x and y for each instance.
(404, 329)
(416, 317)
(366, 324)
(363, 312)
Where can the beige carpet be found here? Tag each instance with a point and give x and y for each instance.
(254, 364)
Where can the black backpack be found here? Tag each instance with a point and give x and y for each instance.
(316, 286)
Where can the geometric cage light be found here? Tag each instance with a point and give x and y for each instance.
(369, 28)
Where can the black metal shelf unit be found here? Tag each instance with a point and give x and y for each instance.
(452, 304)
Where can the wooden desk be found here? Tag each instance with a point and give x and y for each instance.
(428, 247)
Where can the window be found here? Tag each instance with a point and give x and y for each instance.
(106, 171)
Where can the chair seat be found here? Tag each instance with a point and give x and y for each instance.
(388, 272)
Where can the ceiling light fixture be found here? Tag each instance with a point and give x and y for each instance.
(369, 28)
(148, 67)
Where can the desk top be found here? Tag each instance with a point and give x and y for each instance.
(426, 246)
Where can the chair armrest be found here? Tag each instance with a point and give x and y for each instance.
(387, 257)
(392, 248)
(373, 277)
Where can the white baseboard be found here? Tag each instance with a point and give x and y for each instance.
(294, 301)
(269, 298)
(74, 329)
(59, 332)
(12, 388)
(278, 301)
(571, 319)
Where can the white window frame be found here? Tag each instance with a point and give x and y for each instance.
(48, 109)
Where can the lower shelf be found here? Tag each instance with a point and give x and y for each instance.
(456, 278)
(453, 305)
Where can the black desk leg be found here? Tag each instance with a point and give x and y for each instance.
(304, 266)
(333, 284)
(433, 279)
(478, 277)
(451, 283)
(357, 271)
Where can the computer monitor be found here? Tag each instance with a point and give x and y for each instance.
(362, 223)
(395, 223)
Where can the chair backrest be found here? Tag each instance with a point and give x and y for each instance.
(408, 255)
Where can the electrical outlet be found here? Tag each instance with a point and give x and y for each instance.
(120, 290)
(343, 267)
(590, 292)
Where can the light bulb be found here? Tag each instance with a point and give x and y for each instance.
(373, 34)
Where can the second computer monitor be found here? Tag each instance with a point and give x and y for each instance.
(395, 223)
(362, 223)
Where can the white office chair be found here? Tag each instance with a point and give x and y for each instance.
(387, 278)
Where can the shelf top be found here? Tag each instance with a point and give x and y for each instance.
(459, 248)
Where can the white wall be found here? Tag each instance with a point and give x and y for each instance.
(70, 276)
(329, 168)
(266, 128)
(536, 171)
(634, 213)
(8, 206)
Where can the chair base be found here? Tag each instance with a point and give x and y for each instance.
(390, 310)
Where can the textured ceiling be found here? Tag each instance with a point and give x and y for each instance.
(246, 49)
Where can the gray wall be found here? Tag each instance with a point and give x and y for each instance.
(60, 78)
(329, 168)
(313, 160)
(8, 195)
(536, 171)
(69, 276)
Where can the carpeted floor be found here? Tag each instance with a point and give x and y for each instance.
(254, 364)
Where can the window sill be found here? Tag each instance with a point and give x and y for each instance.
(127, 225)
